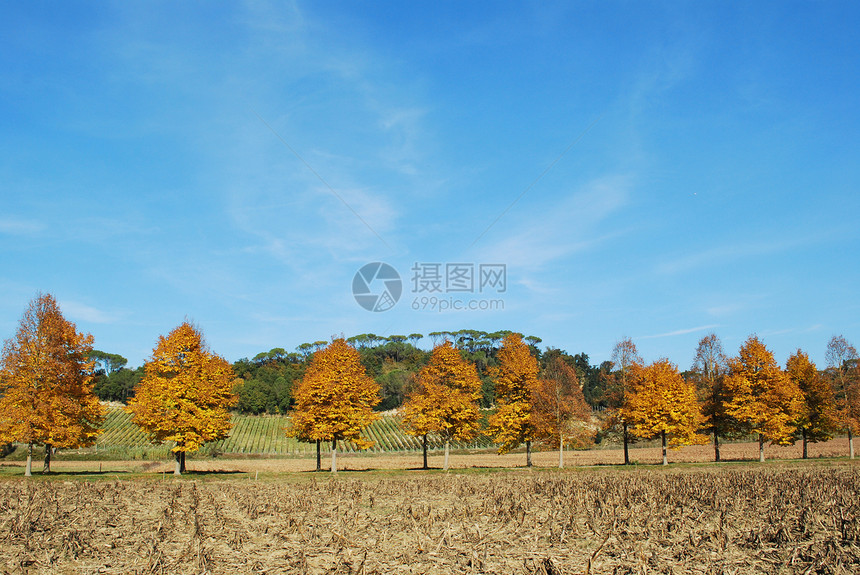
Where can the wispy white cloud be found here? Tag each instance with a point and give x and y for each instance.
(791, 330)
(82, 312)
(560, 229)
(20, 227)
(723, 255)
(681, 331)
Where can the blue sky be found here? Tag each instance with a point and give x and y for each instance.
(662, 170)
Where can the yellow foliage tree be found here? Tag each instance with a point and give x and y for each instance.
(663, 404)
(445, 399)
(818, 420)
(559, 409)
(334, 399)
(516, 378)
(185, 394)
(762, 398)
(47, 384)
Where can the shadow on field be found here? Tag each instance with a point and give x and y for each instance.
(204, 472)
(340, 470)
(74, 473)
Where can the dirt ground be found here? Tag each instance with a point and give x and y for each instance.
(797, 519)
(548, 459)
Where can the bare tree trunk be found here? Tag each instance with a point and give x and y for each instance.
(182, 462)
(626, 452)
(447, 449)
(665, 456)
(805, 442)
(761, 448)
(560, 451)
(47, 467)
(850, 443)
(528, 453)
(177, 468)
(319, 455)
(334, 455)
(716, 447)
(424, 445)
(28, 471)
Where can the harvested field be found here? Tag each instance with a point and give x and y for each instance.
(747, 519)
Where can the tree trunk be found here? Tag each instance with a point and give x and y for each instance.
(626, 452)
(761, 448)
(334, 455)
(28, 471)
(560, 451)
(424, 445)
(47, 466)
(319, 455)
(850, 443)
(447, 449)
(177, 468)
(182, 462)
(716, 447)
(665, 456)
(528, 453)
(805, 442)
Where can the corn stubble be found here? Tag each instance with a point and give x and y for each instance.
(632, 521)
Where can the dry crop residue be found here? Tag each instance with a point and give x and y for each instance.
(608, 521)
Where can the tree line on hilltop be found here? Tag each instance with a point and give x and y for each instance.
(500, 384)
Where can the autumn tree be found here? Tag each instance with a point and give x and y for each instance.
(843, 369)
(46, 379)
(661, 403)
(516, 378)
(444, 400)
(624, 357)
(764, 400)
(185, 394)
(558, 405)
(334, 399)
(818, 420)
(710, 368)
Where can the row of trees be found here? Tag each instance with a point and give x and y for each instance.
(731, 397)
(185, 392)
(336, 397)
(726, 397)
(47, 374)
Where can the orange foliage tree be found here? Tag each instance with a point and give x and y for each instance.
(558, 405)
(762, 398)
(661, 403)
(818, 419)
(46, 379)
(844, 371)
(444, 400)
(334, 399)
(516, 378)
(185, 394)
